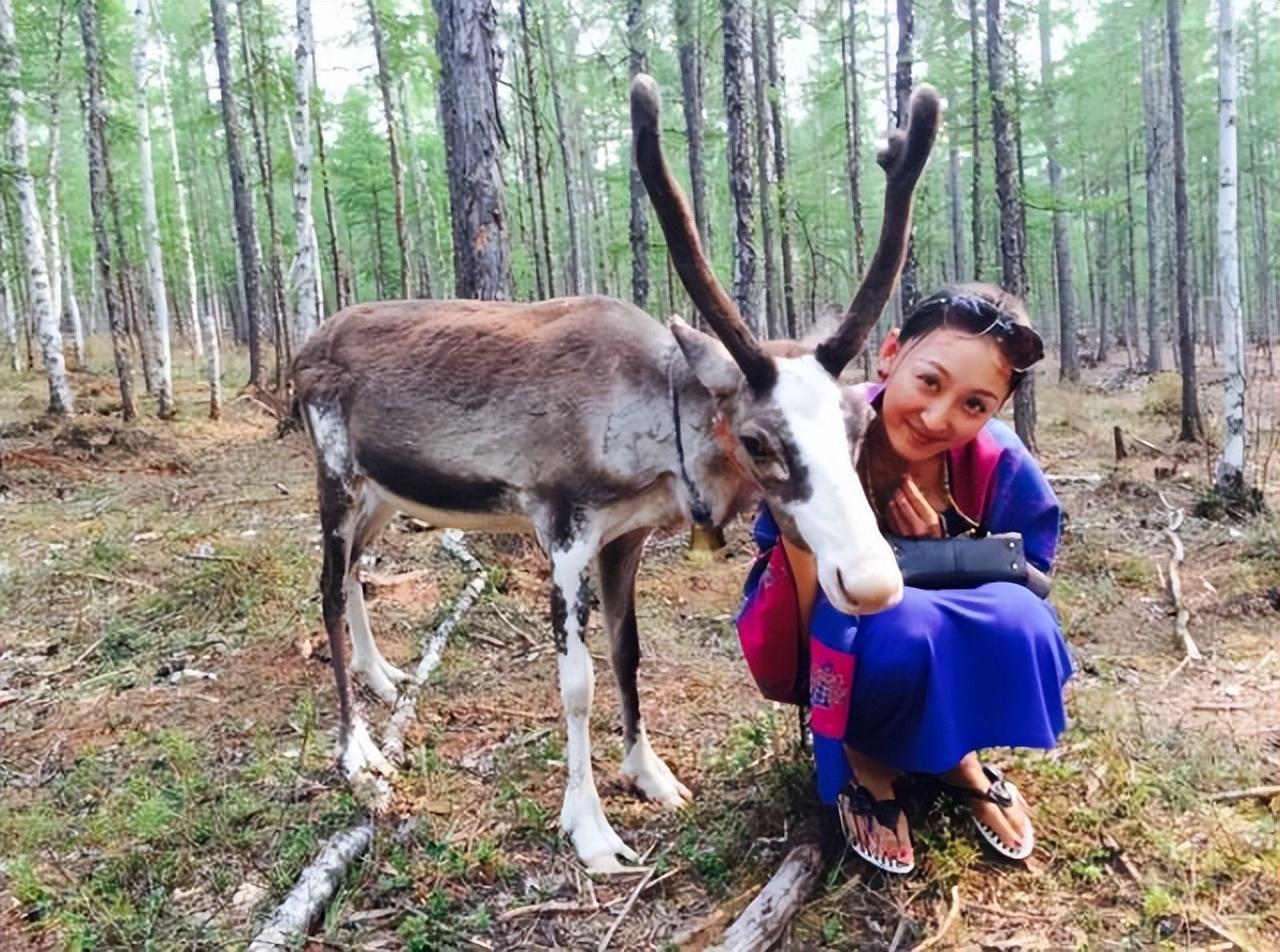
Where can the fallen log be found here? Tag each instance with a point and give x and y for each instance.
(433, 648)
(1181, 616)
(310, 895)
(763, 922)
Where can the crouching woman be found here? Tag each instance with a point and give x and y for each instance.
(948, 671)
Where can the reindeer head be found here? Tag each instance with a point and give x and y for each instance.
(784, 418)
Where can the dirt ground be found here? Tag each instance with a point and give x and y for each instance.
(166, 714)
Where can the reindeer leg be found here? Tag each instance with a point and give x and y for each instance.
(641, 767)
(356, 750)
(582, 816)
(366, 660)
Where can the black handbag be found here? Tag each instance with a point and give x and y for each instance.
(965, 562)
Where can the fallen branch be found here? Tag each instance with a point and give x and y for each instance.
(540, 907)
(1265, 792)
(631, 901)
(952, 915)
(310, 895)
(763, 922)
(1181, 616)
(433, 648)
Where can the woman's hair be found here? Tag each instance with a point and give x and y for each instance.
(927, 319)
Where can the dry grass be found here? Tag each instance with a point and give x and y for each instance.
(138, 813)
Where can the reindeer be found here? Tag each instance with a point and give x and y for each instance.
(588, 424)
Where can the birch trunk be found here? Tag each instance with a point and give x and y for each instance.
(736, 38)
(55, 171)
(393, 145)
(1012, 263)
(975, 194)
(773, 326)
(304, 274)
(341, 289)
(577, 267)
(1230, 475)
(908, 284)
(1069, 352)
(246, 237)
(470, 61)
(98, 200)
(8, 308)
(198, 331)
(639, 229)
(73, 309)
(1155, 141)
(151, 220)
(422, 203)
(777, 96)
(1192, 429)
(853, 132)
(46, 321)
(1131, 264)
(690, 53)
(261, 133)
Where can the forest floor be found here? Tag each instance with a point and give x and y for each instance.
(166, 715)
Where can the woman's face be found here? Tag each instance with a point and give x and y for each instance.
(940, 389)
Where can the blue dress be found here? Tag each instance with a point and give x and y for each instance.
(945, 672)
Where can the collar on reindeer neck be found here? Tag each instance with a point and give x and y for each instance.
(699, 510)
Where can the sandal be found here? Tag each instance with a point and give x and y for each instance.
(857, 801)
(1003, 794)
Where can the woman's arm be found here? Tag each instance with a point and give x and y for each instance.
(804, 570)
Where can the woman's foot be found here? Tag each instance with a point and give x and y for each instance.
(888, 837)
(1003, 811)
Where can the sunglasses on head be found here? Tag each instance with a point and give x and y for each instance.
(975, 315)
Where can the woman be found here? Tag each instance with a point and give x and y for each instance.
(948, 672)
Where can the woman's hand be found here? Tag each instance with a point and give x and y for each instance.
(910, 514)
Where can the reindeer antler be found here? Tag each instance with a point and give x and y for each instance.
(682, 239)
(902, 159)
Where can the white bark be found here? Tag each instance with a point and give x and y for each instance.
(46, 321)
(304, 275)
(6, 317)
(72, 306)
(306, 902)
(1231, 465)
(150, 220)
(184, 224)
(204, 335)
(55, 246)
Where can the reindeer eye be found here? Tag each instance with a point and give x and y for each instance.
(754, 447)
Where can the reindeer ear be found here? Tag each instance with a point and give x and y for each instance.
(707, 358)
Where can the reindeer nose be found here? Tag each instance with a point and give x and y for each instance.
(871, 591)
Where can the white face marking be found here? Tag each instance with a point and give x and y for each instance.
(330, 436)
(856, 567)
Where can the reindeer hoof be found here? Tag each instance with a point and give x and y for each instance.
(646, 772)
(594, 840)
(361, 756)
(380, 677)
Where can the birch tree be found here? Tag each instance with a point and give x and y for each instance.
(1069, 367)
(246, 232)
(1192, 429)
(736, 38)
(96, 122)
(639, 200)
(1155, 139)
(393, 145)
(1013, 275)
(1230, 475)
(72, 306)
(151, 220)
(304, 274)
(204, 332)
(46, 321)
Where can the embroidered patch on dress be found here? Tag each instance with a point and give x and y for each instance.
(830, 684)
